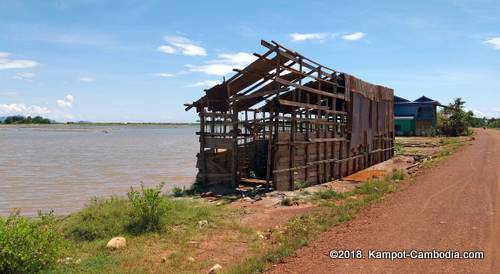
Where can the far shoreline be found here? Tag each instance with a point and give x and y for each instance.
(97, 125)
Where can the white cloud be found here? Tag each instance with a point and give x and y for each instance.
(22, 109)
(206, 83)
(212, 69)
(66, 103)
(238, 59)
(182, 44)
(310, 36)
(482, 112)
(163, 74)
(167, 49)
(354, 36)
(24, 75)
(86, 79)
(7, 63)
(494, 42)
(478, 113)
(224, 64)
(63, 104)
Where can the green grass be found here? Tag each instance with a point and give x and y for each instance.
(100, 219)
(89, 229)
(329, 194)
(399, 149)
(448, 146)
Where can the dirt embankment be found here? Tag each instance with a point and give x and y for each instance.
(455, 205)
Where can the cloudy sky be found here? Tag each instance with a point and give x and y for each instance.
(142, 60)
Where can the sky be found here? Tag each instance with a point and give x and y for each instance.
(140, 61)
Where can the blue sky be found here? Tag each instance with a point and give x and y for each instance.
(140, 61)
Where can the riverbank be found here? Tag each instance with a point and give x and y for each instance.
(243, 235)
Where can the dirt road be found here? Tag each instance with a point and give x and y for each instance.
(455, 205)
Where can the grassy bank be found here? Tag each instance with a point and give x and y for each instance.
(171, 234)
(150, 221)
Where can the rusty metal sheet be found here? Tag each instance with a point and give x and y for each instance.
(355, 118)
(270, 86)
(254, 72)
(361, 87)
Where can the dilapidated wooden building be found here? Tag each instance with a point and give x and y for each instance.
(292, 122)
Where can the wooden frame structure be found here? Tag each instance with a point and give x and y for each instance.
(291, 121)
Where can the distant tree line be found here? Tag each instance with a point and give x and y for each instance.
(485, 122)
(453, 120)
(18, 119)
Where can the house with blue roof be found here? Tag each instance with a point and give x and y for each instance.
(415, 118)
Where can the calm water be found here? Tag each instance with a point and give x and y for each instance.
(62, 167)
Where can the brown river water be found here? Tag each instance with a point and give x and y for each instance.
(61, 167)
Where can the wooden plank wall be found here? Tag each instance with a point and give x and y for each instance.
(330, 154)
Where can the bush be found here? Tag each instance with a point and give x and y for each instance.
(329, 194)
(454, 121)
(178, 192)
(28, 245)
(299, 184)
(399, 149)
(148, 206)
(197, 188)
(398, 175)
(289, 201)
(100, 219)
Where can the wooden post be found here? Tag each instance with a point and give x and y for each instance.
(234, 162)
(318, 132)
(270, 148)
(202, 145)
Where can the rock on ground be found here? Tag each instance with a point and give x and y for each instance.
(117, 243)
(215, 269)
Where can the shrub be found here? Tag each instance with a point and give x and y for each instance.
(148, 206)
(290, 201)
(454, 121)
(28, 245)
(299, 184)
(397, 175)
(252, 174)
(177, 191)
(399, 149)
(100, 219)
(329, 195)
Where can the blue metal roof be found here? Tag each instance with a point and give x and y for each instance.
(421, 100)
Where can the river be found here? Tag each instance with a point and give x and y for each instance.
(61, 167)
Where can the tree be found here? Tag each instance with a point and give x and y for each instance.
(454, 120)
(18, 119)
